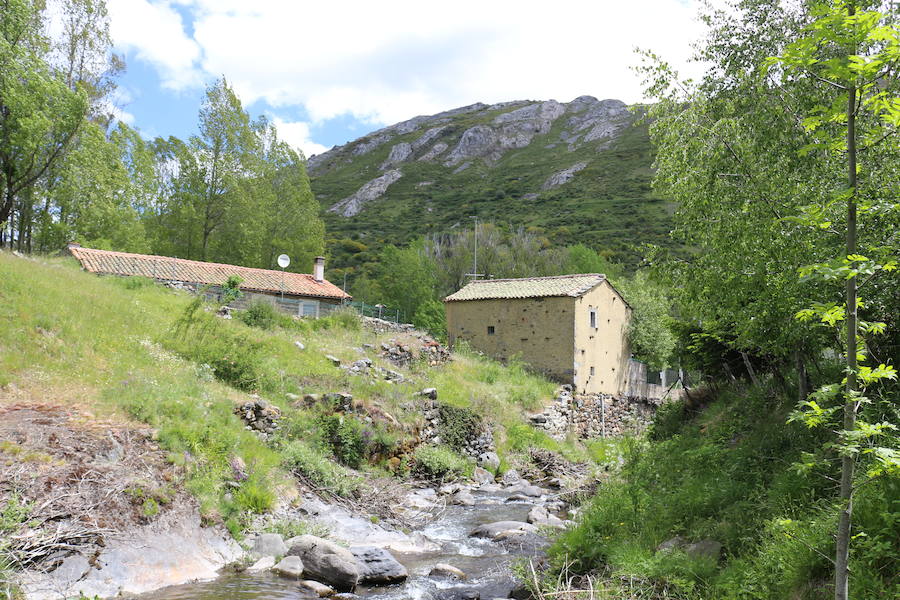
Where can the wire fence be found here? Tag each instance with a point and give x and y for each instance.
(379, 311)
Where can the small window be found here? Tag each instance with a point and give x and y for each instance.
(490, 330)
(592, 371)
(593, 318)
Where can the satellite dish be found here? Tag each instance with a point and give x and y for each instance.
(284, 260)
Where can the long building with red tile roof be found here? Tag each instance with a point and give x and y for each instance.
(295, 288)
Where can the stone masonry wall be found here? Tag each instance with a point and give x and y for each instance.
(594, 415)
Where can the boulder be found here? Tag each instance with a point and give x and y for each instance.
(522, 541)
(263, 564)
(378, 566)
(489, 461)
(300, 345)
(481, 475)
(269, 544)
(319, 589)
(430, 393)
(446, 571)
(289, 566)
(334, 360)
(511, 477)
(541, 517)
(492, 530)
(671, 544)
(464, 498)
(709, 549)
(526, 489)
(327, 562)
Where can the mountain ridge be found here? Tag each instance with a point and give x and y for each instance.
(573, 172)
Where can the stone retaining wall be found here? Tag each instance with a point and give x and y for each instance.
(595, 415)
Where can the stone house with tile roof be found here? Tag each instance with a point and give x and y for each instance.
(571, 327)
(301, 294)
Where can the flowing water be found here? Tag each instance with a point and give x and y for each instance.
(487, 564)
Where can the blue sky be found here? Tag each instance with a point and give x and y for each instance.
(327, 73)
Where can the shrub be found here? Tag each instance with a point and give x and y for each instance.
(309, 462)
(343, 434)
(458, 426)
(255, 495)
(260, 314)
(439, 463)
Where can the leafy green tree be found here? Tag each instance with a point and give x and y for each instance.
(851, 55)
(40, 113)
(772, 162)
(649, 332)
(407, 278)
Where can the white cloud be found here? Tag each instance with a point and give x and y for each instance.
(296, 134)
(155, 32)
(383, 62)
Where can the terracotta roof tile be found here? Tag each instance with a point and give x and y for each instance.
(193, 271)
(530, 287)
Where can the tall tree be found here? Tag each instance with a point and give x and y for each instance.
(47, 89)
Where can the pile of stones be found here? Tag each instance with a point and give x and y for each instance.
(259, 415)
(365, 367)
(402, 353)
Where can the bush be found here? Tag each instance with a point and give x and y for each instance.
(312, 464)
(439, 463)
(260, 314)
(344, 435)
(458, 426)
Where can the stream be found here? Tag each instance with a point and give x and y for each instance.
(487, 564)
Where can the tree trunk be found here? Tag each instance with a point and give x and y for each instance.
(802, 378)
(848, 462)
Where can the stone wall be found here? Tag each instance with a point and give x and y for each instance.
(595, 415)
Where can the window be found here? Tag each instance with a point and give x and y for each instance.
(592, 371)
(593, 318)
(490, 330)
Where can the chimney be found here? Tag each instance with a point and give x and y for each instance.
(319, 268)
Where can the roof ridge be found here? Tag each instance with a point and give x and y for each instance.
(539, 278)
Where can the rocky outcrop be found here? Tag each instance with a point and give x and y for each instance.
(370, 191)
(173, 550)
(399, 153)
(562, 177)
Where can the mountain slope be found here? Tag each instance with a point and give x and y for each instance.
(577, 171)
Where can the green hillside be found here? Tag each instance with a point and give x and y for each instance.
(608, 205)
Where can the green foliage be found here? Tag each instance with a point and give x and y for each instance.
(439, 463)
(231, 289)
(608, 206)
(344, 435)
(260, 314)
(430, 316)
(288, 528)
(311, 463)
(649, 332)
(458, 426)
(726, 473)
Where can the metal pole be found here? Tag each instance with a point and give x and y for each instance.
(475, 269)
(282, 284)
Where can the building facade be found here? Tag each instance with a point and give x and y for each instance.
(298, 294)
(573, 328)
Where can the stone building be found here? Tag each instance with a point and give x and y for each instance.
(301, 294)
(571, 327)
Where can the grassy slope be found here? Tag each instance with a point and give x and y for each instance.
(608, 206)
(109, 346)
(726, 473)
